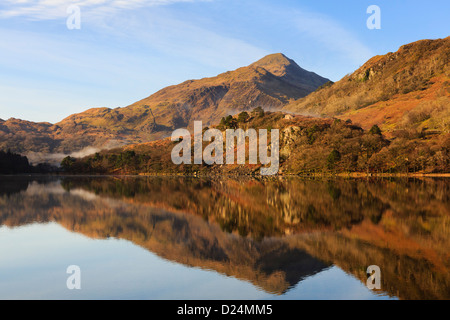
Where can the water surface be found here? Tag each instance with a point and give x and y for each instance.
(186, 238)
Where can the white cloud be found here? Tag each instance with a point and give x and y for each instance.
(155, 30)
(54, 9)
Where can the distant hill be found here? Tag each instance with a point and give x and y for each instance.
(271, 83)
(404, 90)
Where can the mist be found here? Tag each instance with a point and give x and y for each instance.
(55, 158)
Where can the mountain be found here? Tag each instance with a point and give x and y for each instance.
(271, 83)
(406, 94)
(404, 90)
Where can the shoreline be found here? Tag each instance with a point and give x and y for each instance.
(356, 175)
(318, 175)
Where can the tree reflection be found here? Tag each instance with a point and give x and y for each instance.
(272, 232)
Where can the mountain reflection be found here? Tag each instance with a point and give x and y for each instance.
(271, 232)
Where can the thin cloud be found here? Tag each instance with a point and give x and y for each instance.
(332, 35)
(181, 38)
(54, 9)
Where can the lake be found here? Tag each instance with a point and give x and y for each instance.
(228, 238)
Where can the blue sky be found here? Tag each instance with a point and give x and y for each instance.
(127, 50)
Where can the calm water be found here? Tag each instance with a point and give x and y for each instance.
(186, 238)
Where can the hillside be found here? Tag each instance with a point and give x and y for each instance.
(270, 83)
(307, 146)
(408, 90)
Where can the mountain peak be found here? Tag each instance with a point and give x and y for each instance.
(287, 69)
(274, 63)
(274, 58)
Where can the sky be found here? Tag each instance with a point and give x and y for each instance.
(126, 50)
